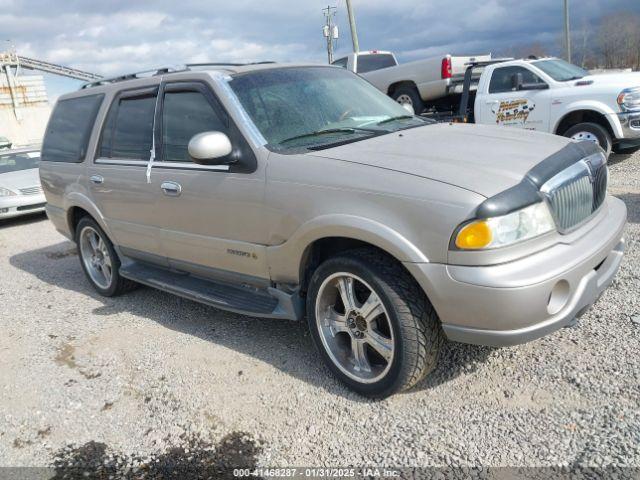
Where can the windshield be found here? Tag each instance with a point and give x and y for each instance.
(313, 106)
(13, 162)
(560, 70)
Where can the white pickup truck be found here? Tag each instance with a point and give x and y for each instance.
(415, 83)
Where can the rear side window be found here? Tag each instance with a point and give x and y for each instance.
(69, 129)
(128, 131)
(341, 62)
(186, 114)
(377, 61)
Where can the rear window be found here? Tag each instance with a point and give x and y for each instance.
(369, 63)
(69, 129)
(128, 131)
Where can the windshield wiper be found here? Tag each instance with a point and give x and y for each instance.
(328, 131)
(392, 119)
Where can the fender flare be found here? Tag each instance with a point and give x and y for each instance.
(284, 260)
(607, 112)
(80, 200)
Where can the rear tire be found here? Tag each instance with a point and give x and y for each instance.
(375, 355)
(593, 132)
(407, 94)
(99, 259)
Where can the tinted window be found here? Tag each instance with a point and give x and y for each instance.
(13, 162)
(502, 79)
(341, 62)
(128, 131)
(69, 129)
(368, 63)
(186, 114)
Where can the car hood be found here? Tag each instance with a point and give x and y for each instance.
(483, 159)
(20, 179)
(619, 80)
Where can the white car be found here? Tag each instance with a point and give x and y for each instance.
(20, 189)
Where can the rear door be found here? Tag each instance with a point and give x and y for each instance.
(212, 217)
(117, 177)
(503, 105)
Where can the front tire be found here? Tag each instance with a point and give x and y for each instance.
(591, 132)
(99, 259)
(625, 150)
(372, 324)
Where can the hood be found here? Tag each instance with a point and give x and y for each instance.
(619, 80)
(483, 159)
(20, 179)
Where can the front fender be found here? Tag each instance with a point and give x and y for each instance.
(285, 259)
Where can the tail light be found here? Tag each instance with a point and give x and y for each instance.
(446, 68)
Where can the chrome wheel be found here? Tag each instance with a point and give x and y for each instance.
(404, 100)
(95, 257)
(354, 327)
(585, 137)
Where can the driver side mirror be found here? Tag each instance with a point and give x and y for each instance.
(210, 148)
(517, 84)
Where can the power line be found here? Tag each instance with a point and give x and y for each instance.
(330, 30)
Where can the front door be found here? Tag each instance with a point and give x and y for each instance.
(504, 105)
(212, 216)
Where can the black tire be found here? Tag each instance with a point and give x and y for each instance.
(601, 134)
(419, 334)
(411, 93)
(625, 151)
(118, 284)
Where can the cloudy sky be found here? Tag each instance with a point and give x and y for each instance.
(114, 36)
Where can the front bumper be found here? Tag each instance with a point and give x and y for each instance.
(519, 301)
(630, 124)
(21, 205)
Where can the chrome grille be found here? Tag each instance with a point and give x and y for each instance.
(31, 190)
(576, 193)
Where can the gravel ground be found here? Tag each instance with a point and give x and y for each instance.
(115, 382)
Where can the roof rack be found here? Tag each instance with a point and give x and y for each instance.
(163, 71)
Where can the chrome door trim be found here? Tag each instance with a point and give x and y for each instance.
(190, 166)
(121, 161)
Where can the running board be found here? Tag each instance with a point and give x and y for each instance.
(269, 303)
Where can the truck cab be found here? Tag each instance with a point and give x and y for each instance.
(554, 96)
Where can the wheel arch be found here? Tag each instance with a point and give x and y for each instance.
(586, 113)
(403, 83)
(289, 262)
(76, 207)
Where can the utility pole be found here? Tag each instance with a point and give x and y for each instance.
(567, 31)
(352, 25)
(330, 30)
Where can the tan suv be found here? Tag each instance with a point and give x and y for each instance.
(287, 191)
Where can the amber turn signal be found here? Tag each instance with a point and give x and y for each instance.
(474, 236)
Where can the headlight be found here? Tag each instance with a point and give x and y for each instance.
(629, 100)
(514, 227)
(5, 192)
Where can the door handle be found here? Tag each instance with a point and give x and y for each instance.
(97, 179)
(172, 189)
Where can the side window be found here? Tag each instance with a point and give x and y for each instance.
(69, 129)
(128, 131)
(185, 114)
(502, 78)
(341, 62)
